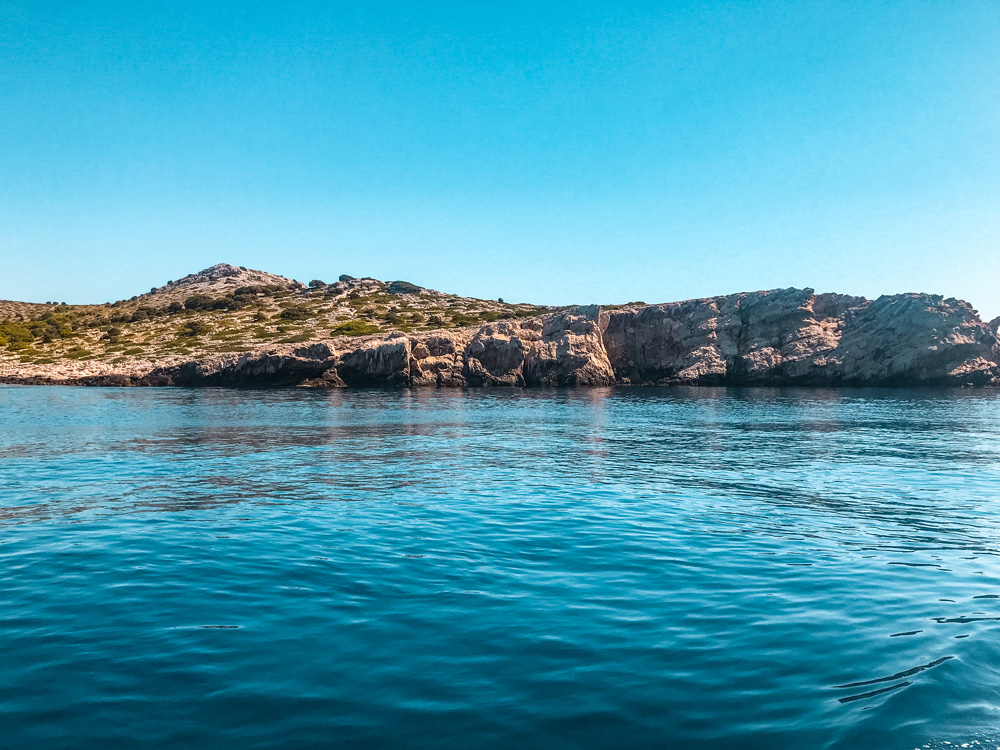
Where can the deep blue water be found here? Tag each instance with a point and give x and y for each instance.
(534, 569)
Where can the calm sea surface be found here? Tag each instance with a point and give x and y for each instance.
(532, 569)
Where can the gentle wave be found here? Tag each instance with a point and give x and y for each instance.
(594, 567)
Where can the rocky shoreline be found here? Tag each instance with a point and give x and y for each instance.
(781, 337)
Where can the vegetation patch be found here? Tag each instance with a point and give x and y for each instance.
(403, 287)
(354, 328)
(194, 328)
(298, 338)
(296, 312)
(463, 320)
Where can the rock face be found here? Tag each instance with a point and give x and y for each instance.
(794, 336)
(558, 349)
(289, 365)
(780, 337)
(568, 350)
(438, 359)
(375, 363)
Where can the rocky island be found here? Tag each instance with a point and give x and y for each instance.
(233, 326)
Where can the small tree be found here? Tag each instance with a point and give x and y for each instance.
(316, 284)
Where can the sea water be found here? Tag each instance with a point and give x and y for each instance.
(731, 568)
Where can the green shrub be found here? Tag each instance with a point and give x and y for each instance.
(237, 301)
(254, 290)
(199, 302)
(296, 312)
(194, 328)
(403, 287)
(531, 312)
(297, 338)
(461, 319)
(15, 333)
(354, 328)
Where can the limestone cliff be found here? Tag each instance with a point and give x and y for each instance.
(793, 336)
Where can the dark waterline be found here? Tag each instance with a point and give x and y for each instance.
(752, 568)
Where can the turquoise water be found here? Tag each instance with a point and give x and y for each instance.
(539, 569)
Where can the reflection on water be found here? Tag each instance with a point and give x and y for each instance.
(773, 568)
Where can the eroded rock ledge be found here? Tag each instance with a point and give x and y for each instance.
(782, 337)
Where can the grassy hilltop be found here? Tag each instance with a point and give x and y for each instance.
(232, 309)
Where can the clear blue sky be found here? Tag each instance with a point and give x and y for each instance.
(550, 152)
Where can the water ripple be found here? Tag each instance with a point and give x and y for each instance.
(602, 567)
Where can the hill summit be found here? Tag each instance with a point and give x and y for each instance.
(223, 278)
